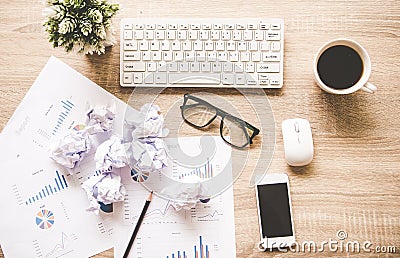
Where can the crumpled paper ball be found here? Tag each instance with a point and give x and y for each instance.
(100, 119)
(71, 149)
(111, 153)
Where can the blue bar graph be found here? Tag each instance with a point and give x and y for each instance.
(206, 171)
(60, 183)
(200, 251)
(66, 107)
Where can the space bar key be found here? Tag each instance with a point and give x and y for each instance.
(194, 78)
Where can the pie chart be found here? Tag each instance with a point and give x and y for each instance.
(44, 219)
(139, 176)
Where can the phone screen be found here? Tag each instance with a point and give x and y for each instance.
(274, 210)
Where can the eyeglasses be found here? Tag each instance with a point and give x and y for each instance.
(234, 131)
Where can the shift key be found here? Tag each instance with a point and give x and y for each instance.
(272, 67)
(134, 67)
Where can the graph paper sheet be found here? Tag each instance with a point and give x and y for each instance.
(206, 231)
(43, 212)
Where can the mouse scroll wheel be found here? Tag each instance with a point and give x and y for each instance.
(296, 127)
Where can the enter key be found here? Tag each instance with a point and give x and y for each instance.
(272, 67)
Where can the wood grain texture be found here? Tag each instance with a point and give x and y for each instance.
(353, 183)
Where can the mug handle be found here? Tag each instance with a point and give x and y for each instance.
(369, 87)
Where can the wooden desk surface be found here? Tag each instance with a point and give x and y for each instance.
(353, 183)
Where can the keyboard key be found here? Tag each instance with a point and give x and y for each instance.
(172, 67)
(237, 35)
(217, 26)
(197, 45)
(149, 34)
(228, 78)
(160, 34)
(264, 46)
(137, 78)
(167, 56)
(154, 45)
(128, 78)
(204, 35)
(275, 26)
(146, 56)
(226, 35)
(228, 67)
(194, 67)
(165, 45)
(233, 56)
(231, 46)
(217, 67)
(130, 45)
(248, 35)
(242, 46)
(220, 46)
(199, 78)
(256, 57)
(128, 34)
(162, 66)
(264, 26)
(249, 68)
(275, 35)
(160, 78)
(275, 46)
(272, 67)
(250, 81)
(132, 56)
(156, 56)
(161, 26)
(173, 26)
(128, 26)
(245, 56)
(258, 35)
(211, 56)
(252, 26)
(138, 34)
(209, 46)
(206, 67)
(134, 67)
(171, 34)
(178, 56)
(229, 26)
(150, 26)
(151, 67)
(183, 26)
(149, 78)
(139, 26)
(215, 35)
(143, 45)
(201, 56)
(240, 79)
(193, 34)
(183, 67)
(271, 57)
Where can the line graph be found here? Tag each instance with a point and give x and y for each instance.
(63, 247)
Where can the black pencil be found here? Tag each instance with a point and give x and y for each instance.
(146, 206)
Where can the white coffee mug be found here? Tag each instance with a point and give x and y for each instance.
(362, 83)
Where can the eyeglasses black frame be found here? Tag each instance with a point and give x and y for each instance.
(222, 114)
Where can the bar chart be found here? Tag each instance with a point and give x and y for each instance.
(201, 251)
(66, 107)
(205, 171)
(59, 184)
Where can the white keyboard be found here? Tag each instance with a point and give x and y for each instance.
(240, 53)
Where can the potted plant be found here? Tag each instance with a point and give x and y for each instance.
(81, 26)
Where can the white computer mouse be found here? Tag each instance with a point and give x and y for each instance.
(297, 141)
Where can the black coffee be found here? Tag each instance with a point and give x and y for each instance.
(340, 67)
